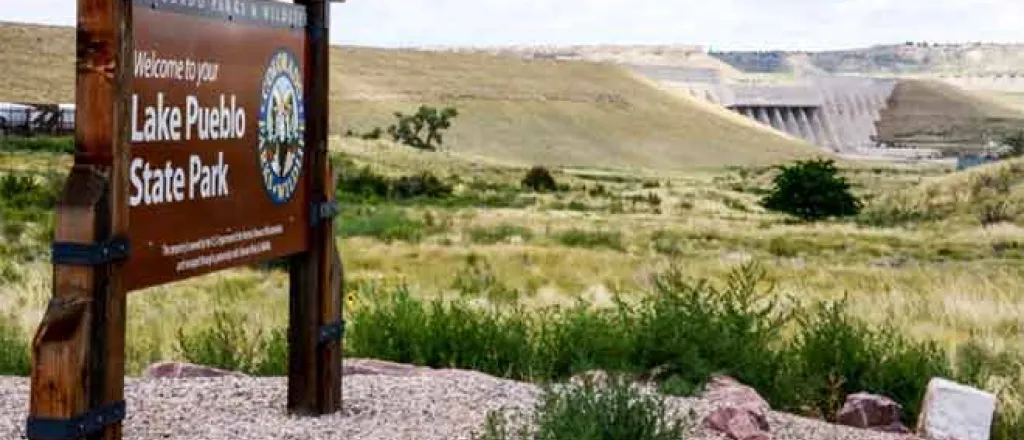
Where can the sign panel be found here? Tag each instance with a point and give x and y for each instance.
(217, 127)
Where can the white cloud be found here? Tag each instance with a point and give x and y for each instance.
(726, 24)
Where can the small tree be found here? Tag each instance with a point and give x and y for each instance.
(422, 130)
(812, 190)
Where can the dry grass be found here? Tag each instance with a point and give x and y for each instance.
(526, 112)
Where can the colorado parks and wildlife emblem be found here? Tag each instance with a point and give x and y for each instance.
(282, 127)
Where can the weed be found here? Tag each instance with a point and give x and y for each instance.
(477, 279)
(387, 224)
(40, 144)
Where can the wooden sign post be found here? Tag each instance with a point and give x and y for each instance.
(201, 145)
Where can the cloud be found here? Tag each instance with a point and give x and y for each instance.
(726, 24)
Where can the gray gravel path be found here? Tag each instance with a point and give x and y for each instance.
(443, 406)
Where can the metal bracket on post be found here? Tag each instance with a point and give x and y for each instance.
(82, 425)
(332, 332)
(322, 211)
(94, 254)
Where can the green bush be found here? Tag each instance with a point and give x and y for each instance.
(812, 190)
(682, 332)
(618, 412)
(14, 350)
(362, 185)
(591, 239)
(40, 144)
(539, 179)
(477, 279)
(229, 343)
(836, 355)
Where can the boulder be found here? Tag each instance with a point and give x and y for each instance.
(740, 412)
(952, 411)
(724, 390)
(182, 370)
(737, 424)
(870, 411)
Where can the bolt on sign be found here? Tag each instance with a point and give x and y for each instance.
(201, 145)
(217, 124)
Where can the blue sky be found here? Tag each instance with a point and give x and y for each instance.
(720, 24)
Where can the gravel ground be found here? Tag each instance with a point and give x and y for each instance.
(447, 405)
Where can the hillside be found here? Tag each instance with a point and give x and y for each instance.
(519, 111)
(933, 114)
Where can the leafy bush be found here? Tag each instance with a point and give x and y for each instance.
(836, 355)
(812, 190)
(618, 412)
(539, 179)
(39, 144)
(363, 185)
(228, 343)
(423, 129)
(14, 350)
(591, 239)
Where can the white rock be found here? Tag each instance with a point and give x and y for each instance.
(952, 411)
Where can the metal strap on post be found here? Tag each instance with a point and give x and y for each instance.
(332, 332)
(322, 211)
(94, 254)
(82, 425)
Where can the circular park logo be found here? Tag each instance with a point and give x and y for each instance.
(282, 127)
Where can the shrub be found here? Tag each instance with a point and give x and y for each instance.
(539, 179)
(618, 412)
(14, 350)
(591, 239)
(423, 129)
(812, 190)
(229, 344)
(836, 355)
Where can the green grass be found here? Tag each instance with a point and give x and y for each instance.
(618, 412)
(14, 350)
(499, 234)
(386, 223)
(39, 144)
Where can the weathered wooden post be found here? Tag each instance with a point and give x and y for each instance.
(78, 350)
(191, 157)
(315, 329)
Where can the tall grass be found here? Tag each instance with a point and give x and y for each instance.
(38, 144)
(14, 350)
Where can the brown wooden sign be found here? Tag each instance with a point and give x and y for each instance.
(200, 144)
(217, 176)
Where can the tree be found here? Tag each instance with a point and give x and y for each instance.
(1015, 141)
(423, 130)
(812, 190)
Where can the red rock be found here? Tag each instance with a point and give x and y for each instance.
(181, 370)
(741, 414)
(737, 424)
(870, 411)
(724, 390)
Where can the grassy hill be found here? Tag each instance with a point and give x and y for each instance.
(929, 113)
(518, 111)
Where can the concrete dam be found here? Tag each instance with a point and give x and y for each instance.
(836, 113)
